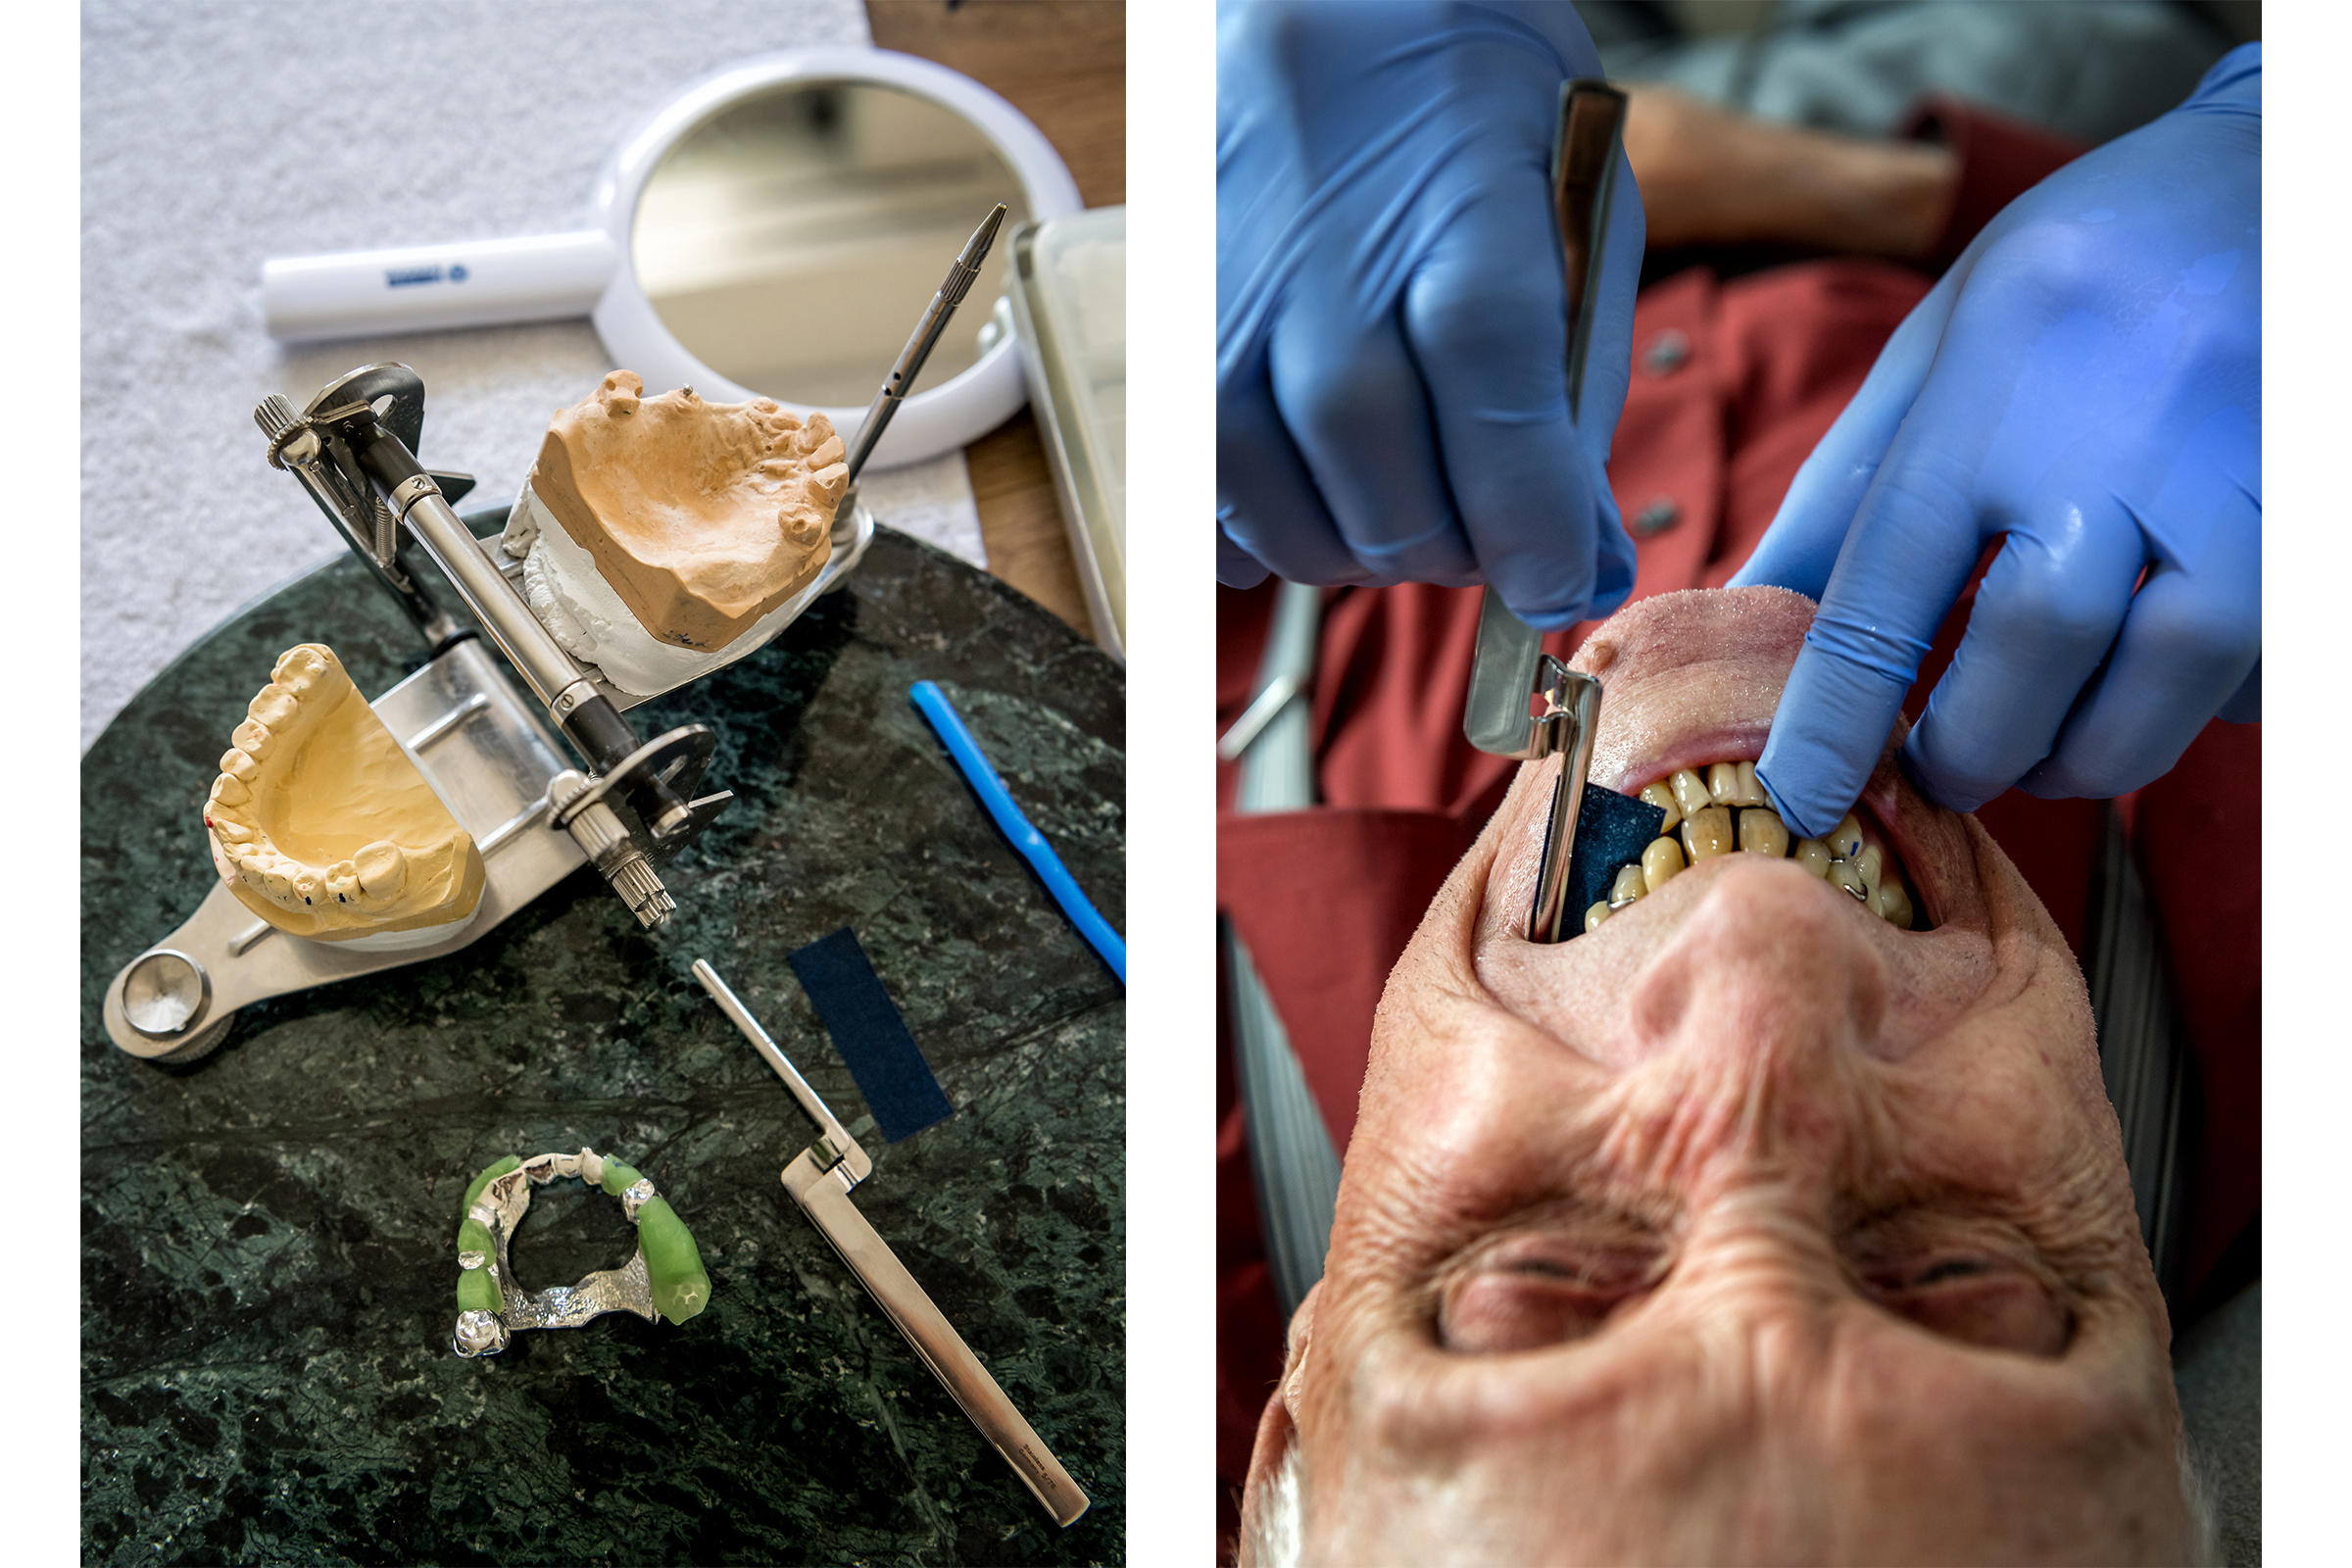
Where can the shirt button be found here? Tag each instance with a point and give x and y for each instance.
(1666, 354)
(1661, 514)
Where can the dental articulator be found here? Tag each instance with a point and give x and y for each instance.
(541, 785)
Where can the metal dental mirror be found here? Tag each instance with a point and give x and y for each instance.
(764, 233)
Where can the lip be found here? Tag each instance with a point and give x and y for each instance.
(1696, 676)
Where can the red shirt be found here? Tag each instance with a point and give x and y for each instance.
(1326, 898)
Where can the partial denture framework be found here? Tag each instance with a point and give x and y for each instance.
(663, 1279)
(320, 823)
(1725, 812)
(702, 517)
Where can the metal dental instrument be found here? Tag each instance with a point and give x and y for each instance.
(961, 274)
(819, 1179)
(354, 450)
(1509, 670)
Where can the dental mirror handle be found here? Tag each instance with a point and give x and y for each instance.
(422, 288)
(934, 1339)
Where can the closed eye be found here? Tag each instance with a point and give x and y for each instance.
(1985, 1303)
(1540, 1297)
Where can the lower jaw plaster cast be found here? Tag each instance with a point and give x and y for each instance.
(321, 823)
(658, 534)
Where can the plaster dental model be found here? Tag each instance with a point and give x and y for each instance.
(664, 1279)
(321, 824)
(662, 537)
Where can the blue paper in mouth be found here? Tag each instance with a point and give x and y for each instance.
(1611, 830)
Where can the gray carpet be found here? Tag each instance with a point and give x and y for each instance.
(215, 135)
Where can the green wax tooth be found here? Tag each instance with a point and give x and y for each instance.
(672, 1265)
(618, 1177)
(474, 1237)
(474, 1191)
(479, 1291)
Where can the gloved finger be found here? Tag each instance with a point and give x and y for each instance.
(1236, 566)
(1800, 549)
(1485, 319)
(2192, 643)
(1353, 405)
(2046, 615)
(1267, 504)
(1912, 545)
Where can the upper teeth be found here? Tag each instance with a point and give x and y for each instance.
(1704, 807)
(312, 762)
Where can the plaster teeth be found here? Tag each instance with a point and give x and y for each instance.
(1662, 859)
(1659, 796)
(1628, 887)
(230, 790)
(252, 739)
(1689, 791)
(1707, 833)
(272, 707)
(298, 669)
(343, 883)
(1762, 832)
(382, 868)
(1813, 856)
(237, 765)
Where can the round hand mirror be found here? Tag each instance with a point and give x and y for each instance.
(775, 230)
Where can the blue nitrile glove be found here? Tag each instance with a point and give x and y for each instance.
(2086, 379)
(1392, 318)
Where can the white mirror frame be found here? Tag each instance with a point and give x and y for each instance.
(936, 420)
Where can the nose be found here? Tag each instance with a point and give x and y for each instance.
(1750, 1028)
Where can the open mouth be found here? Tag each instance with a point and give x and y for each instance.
(1693, 682)
(1721, 808)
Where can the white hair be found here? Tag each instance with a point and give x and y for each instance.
(1275, 1533)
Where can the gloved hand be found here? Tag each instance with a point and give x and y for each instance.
(1392, 318)
(2087, 379)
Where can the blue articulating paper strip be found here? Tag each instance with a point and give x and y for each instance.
(1611, 830)
(870, 1034)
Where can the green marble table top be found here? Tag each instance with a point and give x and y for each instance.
(268, 1260)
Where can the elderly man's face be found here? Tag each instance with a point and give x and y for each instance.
(1747, 1227)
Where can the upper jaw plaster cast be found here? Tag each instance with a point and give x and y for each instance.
(321, 824)
(678, 526)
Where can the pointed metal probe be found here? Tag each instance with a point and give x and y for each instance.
(958, 283)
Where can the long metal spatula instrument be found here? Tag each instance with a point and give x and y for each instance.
(819, 1179)
(1509, 670)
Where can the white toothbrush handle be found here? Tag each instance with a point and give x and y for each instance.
(422, 288)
